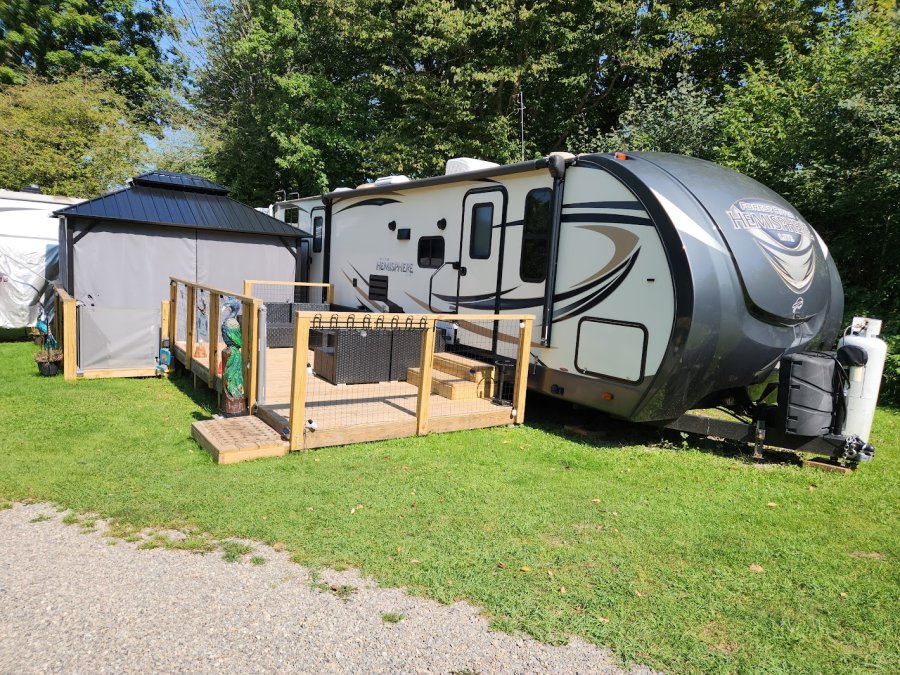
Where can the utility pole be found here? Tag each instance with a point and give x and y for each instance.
(522, 121)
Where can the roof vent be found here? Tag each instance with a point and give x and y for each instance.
(391, 180)
(464, 164)
(32, 189)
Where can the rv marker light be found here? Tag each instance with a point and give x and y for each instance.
(607, 396)
(621, 155)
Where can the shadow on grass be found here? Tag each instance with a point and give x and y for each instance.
(596, 429)
(200, 394)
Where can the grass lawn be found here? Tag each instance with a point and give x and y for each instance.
(633, 544)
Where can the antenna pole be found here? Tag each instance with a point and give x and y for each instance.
(522, 121)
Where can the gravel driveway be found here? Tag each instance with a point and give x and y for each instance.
(71, 602)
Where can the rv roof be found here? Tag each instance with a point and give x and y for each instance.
(498, 170)
(35, 197)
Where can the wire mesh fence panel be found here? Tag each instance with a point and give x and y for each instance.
(180, 314)
(201, 325)
(364, 376)
(296, 292)
(474, 367)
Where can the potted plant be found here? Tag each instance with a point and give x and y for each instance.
(48, 361)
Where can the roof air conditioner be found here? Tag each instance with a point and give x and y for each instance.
(464, 164)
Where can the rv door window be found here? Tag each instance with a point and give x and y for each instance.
(431, 252)
(317, 234)
(482, 224)
(535, 236)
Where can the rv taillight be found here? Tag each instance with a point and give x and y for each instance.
(607, 396)
(621, 155)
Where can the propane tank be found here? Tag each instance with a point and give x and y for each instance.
(865, 380)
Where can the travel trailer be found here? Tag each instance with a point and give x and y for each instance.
(660, 284)
(29, 253)
(308, 215)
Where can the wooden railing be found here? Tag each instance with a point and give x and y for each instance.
(210, 367)
(65, 330)
(249, 289)
(305, 321)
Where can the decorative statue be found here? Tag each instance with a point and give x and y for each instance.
(232, 370)
(43, 326)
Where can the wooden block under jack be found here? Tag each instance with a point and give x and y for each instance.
(826, 465)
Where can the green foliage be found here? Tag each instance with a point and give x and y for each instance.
(890, 382)
(72, 137)
(318, 93)
(820, 124)
(657, 568)
(119, 40)
(233, 551)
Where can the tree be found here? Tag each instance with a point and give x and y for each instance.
(320, 93)
(72, 137)
(820, 125)
(118, 39)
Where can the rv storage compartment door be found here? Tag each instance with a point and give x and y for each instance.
(614, 349)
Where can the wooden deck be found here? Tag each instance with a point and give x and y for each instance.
(356, 413)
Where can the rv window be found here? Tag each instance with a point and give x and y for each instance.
(292, 216)
(431, 252)
(535, 236)
(482, 222)
(317, 234)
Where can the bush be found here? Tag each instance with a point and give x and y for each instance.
(890, 382)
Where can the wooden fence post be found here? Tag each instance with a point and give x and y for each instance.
(173, 316)
(248, 286)
(297, 413)
(164, 320)
(426, 362)
(214, 328)
(69, 335)
(191, 318)
(252, 346)
(522, 363)
(246, 357)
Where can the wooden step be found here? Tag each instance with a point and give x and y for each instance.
(236, 439)
(462, 367)
(451, 387)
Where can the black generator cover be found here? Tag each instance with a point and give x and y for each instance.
(806, 393)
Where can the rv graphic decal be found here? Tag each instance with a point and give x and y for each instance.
(785, 240)
(388, 265)
(374, 201)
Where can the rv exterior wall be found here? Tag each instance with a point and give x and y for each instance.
(658, 306)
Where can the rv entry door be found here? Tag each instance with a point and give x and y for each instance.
(484, 210)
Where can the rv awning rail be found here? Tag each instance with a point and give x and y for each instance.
(520, 167)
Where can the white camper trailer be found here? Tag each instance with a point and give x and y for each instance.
(308, 215)
(660, 283)
(29, 253)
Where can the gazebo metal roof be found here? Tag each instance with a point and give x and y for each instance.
(179, 200)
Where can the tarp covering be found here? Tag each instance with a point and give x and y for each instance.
(121, 277)
(28, 255)
(225, 260)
